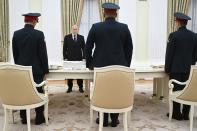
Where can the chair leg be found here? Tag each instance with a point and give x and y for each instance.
(46, 113)
(5, 119)
(129, 116)
(28, 119)
(125, 122)
(170, 109)
(12, 113)
(100, 121)
(191, 117)
(91, 116)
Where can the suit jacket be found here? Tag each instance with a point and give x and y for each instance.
(73, 51)
(113, 44)
(181, 51)
(29, 49)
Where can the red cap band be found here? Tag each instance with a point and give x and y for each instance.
(30, 18)
(110, 11)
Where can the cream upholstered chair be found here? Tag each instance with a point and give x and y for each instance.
(18, 91)
(113, 92)
(186, 96)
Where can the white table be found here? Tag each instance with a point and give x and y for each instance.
(159, 76)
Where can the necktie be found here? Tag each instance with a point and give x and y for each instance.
(75, 38)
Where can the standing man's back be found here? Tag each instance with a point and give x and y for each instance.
(29, 49)
(113, 46)
(181, 53)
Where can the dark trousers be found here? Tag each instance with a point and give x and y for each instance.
(39, 110)
(113, 116)
(79, 82)
(182, 77)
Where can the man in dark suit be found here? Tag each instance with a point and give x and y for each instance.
(73, 50)
(181, 53)
(29, 49)
(113, 46)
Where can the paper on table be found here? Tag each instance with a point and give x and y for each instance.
(74, 65)
(54, 67)
(66, 68)
(157, 66)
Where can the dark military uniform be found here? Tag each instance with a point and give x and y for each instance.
(29, 49)
(181, 53)
(73, 50)
(113, 46)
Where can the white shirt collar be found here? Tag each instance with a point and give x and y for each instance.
(73, 36)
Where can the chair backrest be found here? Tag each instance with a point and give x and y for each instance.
(190, 91)
(16, 85)
(113, 87)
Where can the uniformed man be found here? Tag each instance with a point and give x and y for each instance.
(29, 49)
(73, 50)
(113, 46)
(181, 53)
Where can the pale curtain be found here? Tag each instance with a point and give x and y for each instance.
(174, 6)
(193, 14)
(4, 30)
(100, 2)
(71, 14)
